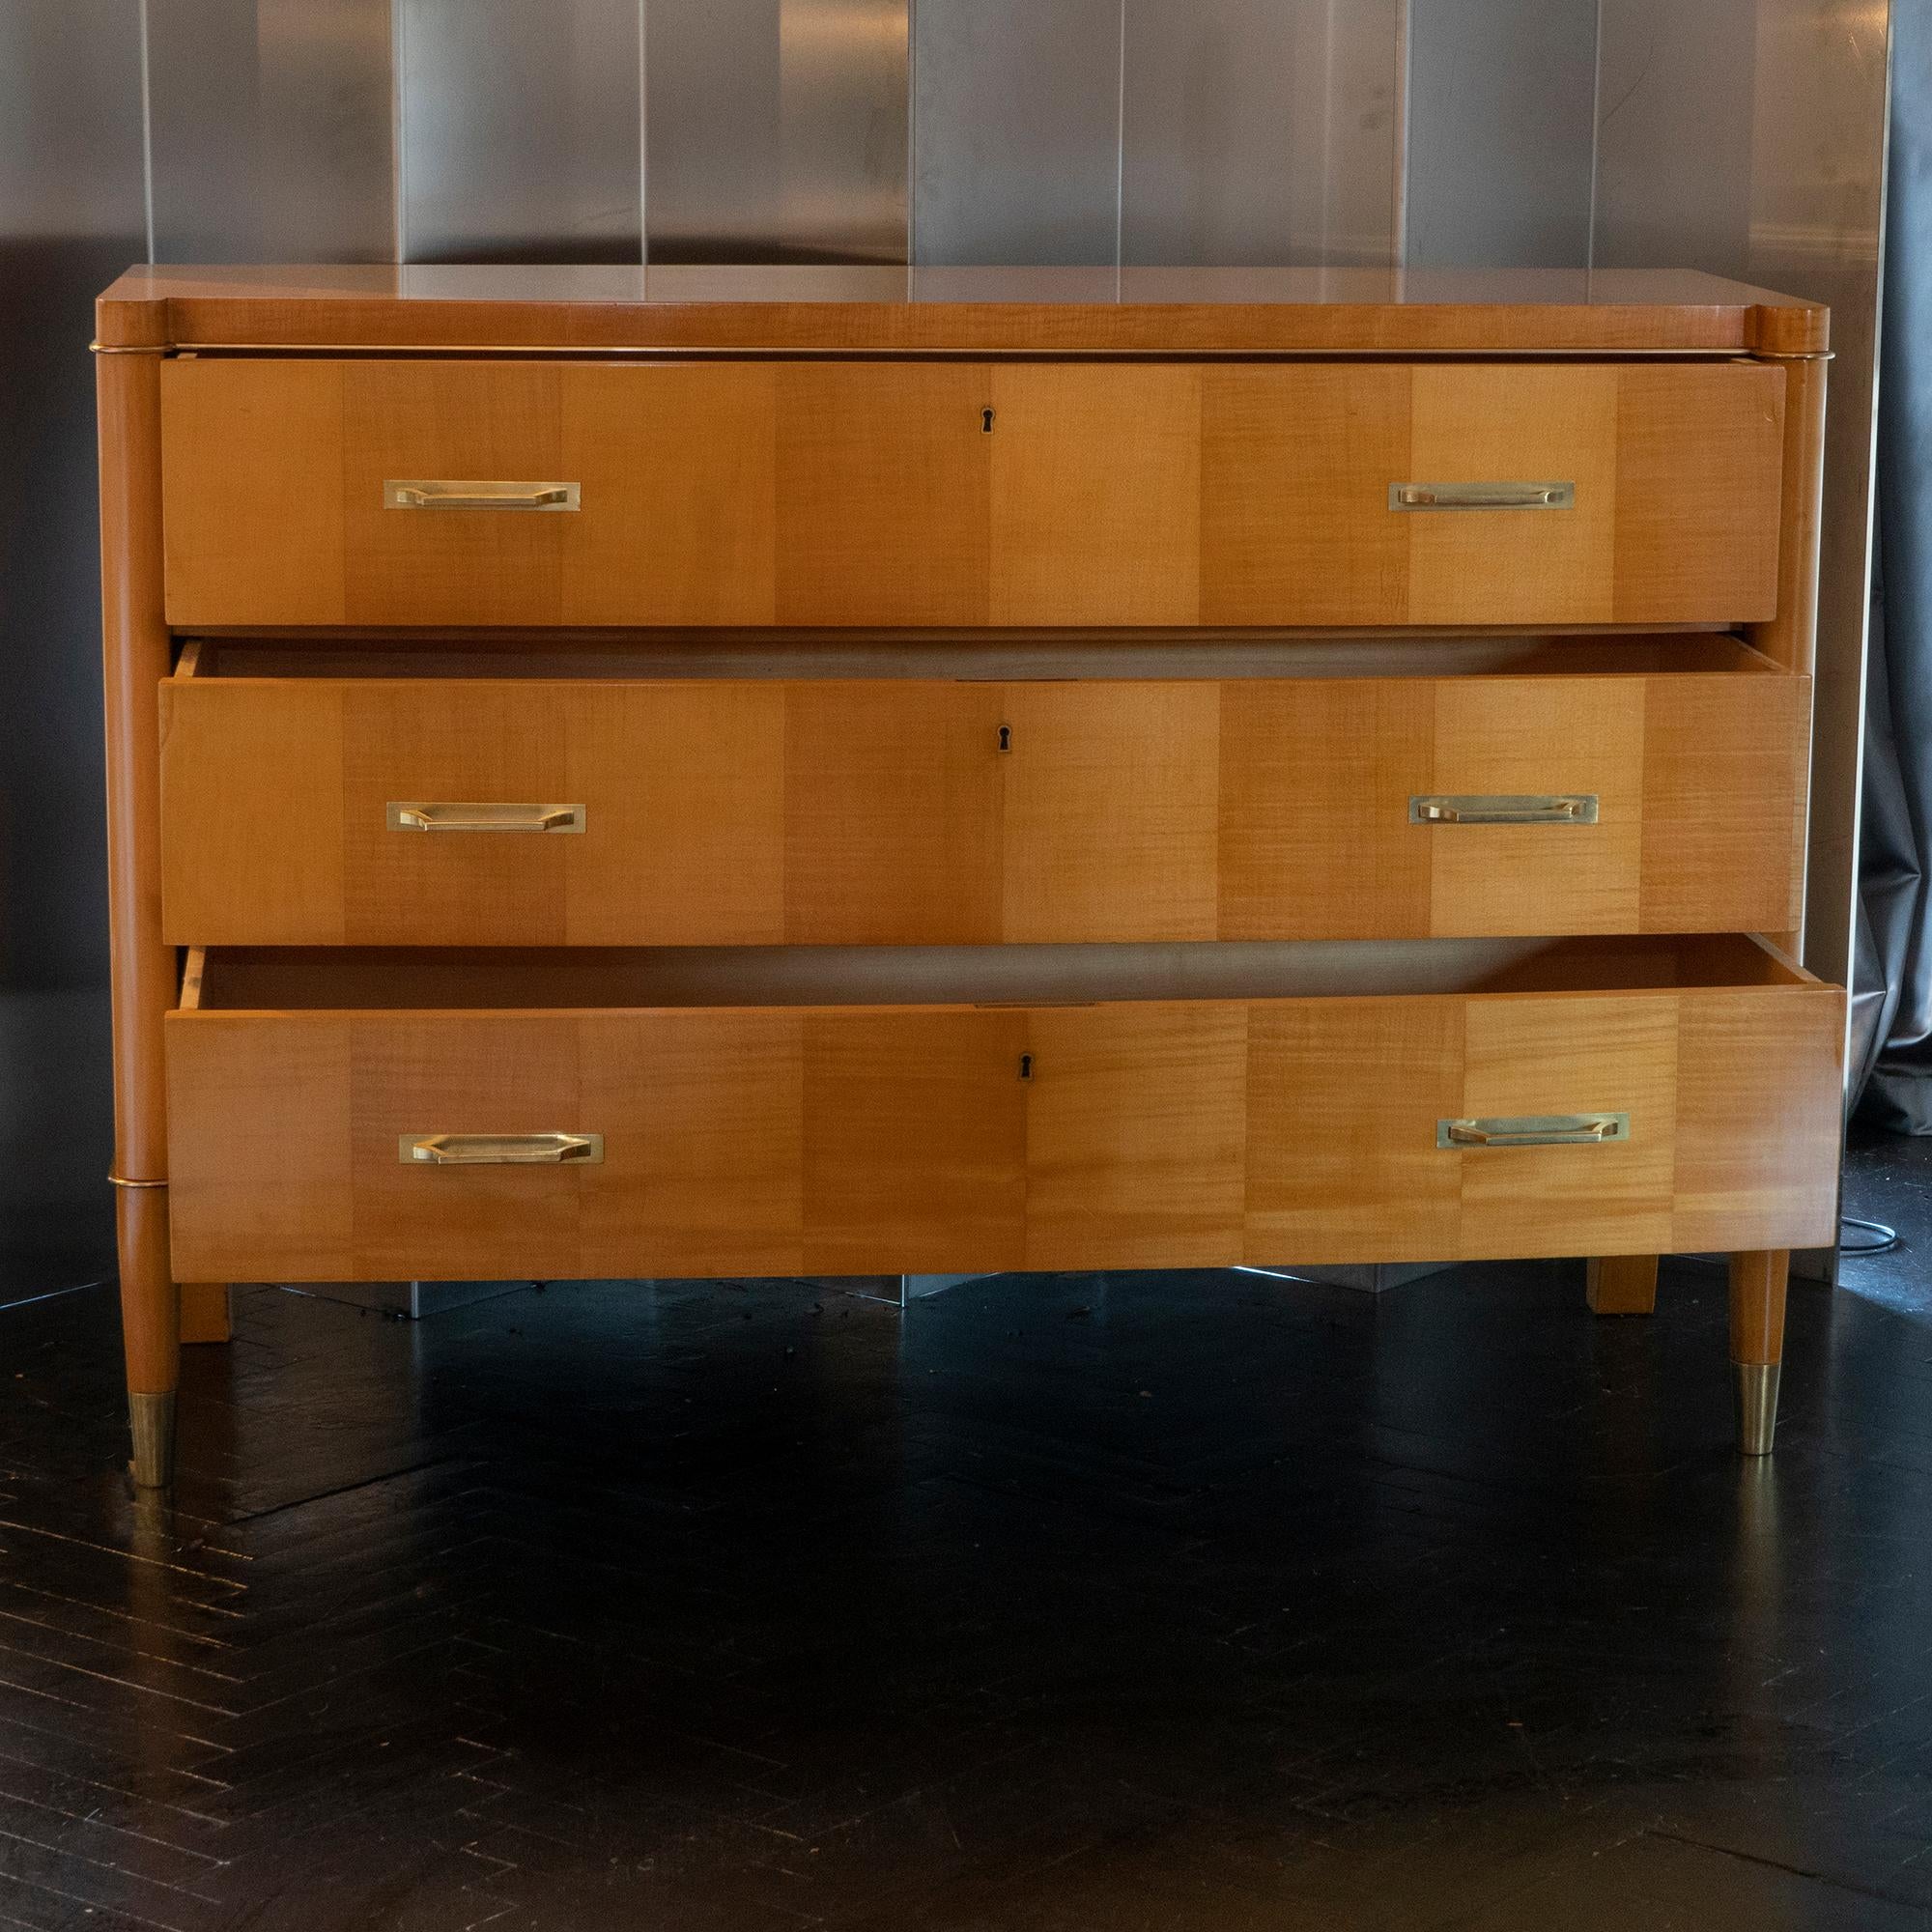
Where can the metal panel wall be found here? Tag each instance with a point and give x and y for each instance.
(521, 131)
(1016, 132)
(776, 130)
(1501, 111)
(1747, 137)
(1260, 134)
(1674, 133)
(1821, 84)
(1743, 136)
(1364, 45)
(271, 130)
(73, 214)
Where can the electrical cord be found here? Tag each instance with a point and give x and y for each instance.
(1882, 1238)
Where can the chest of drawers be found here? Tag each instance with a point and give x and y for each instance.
(794, 772)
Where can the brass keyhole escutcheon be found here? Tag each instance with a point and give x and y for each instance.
(1006, 737)
(1026, 1066)
(986, 421)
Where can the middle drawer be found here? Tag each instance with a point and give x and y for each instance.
(304, 811)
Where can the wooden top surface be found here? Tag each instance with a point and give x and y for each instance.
(994, 311)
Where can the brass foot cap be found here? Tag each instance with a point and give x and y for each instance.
(1757, 1406)
(151, 1418)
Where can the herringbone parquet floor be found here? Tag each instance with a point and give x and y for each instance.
(1067, 1605)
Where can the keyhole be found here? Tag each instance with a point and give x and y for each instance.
(1006, 737)
(986, 421)
(1026, 1066)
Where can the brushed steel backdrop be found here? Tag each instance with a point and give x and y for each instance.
(1744, 136)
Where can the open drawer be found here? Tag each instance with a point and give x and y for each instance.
(424, 491)
(371, 1115)
(937, 793)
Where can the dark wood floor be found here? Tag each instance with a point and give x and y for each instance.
(1067, 1605)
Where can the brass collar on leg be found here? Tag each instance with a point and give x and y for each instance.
(1757, 1406)
(150, 1419)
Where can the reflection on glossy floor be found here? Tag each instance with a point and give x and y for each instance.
(1888, 1179)
(1135, 1602)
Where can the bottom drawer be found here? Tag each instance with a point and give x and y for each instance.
(370, 1116)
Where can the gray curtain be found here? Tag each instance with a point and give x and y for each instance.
(1892, 1029)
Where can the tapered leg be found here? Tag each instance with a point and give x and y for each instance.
(144, 972)
(204, 1312)
(1622, 1284)
(150, 1330)
(1758, 1281)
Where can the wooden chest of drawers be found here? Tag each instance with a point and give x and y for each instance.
(769, 773)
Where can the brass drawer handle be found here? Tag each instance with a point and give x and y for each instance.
(426, 493)
(498, 1150)
(1577, 808)
(1518, 1130)
(1482, 495)
(406, 815)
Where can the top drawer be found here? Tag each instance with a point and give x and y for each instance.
(377, 493)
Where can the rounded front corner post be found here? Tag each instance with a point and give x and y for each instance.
(143, 968)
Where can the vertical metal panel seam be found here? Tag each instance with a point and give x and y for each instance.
(147, 137)
(1596, 139)
(1119, 147)
(1849, 912)
(644, 134)
(399, 153)
(912, 141)
(1399, 215)
(398, 198)
(1330, 40)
